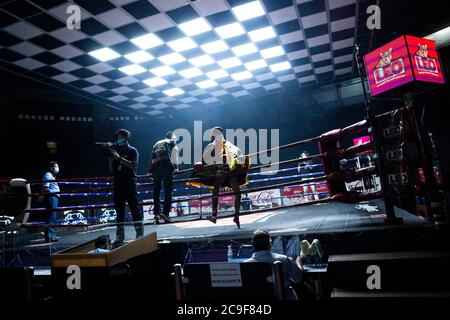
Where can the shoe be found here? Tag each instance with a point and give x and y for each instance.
(139, 233)
(236, 220)
(118, 242)
(213, 218)
(166, 218)
(318, 246)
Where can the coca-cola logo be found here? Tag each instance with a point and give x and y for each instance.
(262, 196)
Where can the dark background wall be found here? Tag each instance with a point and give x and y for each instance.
(25, 152)
(27, 139)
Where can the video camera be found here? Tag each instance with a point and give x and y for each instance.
(108, 147)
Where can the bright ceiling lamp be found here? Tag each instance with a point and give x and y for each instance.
(229, 63)
(147, 41)
(244, 49)
(272, 52)
(173, 92)
(206, 84)
(155, 82)
(132, 69)
(104, 54)
(190, 73)
(201, 61)
(280, 66)
(441, 37)
(230, 30)
(257, 64)
(139, 56)
(262, 34)
(162, 71)
(248, 11)
(182, 44)
(194, 27)
(171, 58)
(214, 47)
(217, 74)
(241, 75)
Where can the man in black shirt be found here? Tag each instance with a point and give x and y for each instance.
(123, 162)
(163, 163)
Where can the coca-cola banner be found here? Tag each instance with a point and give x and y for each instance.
(265, 199)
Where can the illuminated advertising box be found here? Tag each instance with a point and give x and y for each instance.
(425, 60)
(401, 61)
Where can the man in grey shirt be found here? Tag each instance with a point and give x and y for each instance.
(291, 271)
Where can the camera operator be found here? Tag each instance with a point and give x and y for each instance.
(123, 161)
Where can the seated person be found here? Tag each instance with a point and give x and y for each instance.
(262, 246)
(102, 244)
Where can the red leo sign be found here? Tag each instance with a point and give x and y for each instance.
(403, 60)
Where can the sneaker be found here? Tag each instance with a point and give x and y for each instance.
(213, 218)
(118, 242)
(166, 218)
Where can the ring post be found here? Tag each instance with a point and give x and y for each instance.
(379, 155)
(178, 282)
(437, 207)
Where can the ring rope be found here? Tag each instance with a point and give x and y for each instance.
(189, 214)
(229, 193)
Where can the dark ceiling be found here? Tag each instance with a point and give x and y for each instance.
(230, 50)
(314, 40)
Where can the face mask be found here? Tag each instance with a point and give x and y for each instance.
(55, 170)
(121, 142)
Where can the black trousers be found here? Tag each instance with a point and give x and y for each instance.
(234, 183)
(125, 192)
(162, 175)
(51, 202)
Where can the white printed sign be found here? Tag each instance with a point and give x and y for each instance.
(225, 275)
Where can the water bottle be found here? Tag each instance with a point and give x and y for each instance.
(230, 253)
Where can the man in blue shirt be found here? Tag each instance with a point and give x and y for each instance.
(50, 186)
(291, 271)
(123, 162)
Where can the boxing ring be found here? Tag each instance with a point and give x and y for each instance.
(334, 190)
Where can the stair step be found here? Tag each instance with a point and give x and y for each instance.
(342, 294)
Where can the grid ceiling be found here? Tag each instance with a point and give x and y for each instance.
(165, 55)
